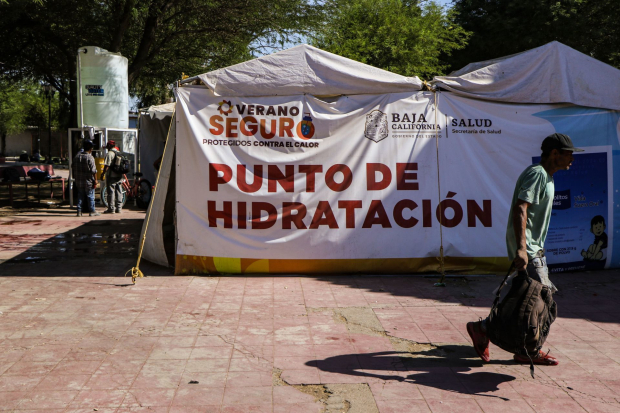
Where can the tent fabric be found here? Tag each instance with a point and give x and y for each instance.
(553, 73)
(161, 111)
(237, 187)
(550, 74)
(154, 127)
(153, 249)
(305, 70)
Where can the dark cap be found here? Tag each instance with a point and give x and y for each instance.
(558, 141)
(88, 145)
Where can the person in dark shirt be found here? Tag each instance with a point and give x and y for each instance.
(85, 175)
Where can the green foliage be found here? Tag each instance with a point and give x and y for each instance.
(505, 27)
(12, 112)
(23, 104)
(161, 38)
(403, 36)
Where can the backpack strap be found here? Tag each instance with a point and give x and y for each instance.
(499, 290)
(533, 290)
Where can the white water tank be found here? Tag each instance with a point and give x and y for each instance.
(103, 88)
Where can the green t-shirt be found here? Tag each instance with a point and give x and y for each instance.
(534, 186)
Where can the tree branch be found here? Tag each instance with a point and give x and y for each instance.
(123, 22)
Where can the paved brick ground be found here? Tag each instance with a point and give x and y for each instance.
(77, 337)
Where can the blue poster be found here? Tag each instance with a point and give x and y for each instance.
(582, 222)
(577, 237)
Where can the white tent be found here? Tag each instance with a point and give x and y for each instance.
(493, 116)
(154, 125)
(305, 69)
(553, 73)
(299, 70)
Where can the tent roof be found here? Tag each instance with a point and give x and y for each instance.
(553, 73)
(160, 111)
(305, 69)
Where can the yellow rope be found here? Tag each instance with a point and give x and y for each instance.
(135, 271)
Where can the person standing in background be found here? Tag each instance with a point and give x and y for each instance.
(113, 193)
(85, 175)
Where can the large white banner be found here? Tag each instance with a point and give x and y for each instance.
(298, 179)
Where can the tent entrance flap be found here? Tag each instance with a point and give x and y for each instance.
(161, 208)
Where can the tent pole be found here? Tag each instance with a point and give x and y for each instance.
(138, 139)
(79, 58)
(70, 181)
(441, 258)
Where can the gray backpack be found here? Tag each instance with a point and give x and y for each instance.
(520, 323)
(120, 164)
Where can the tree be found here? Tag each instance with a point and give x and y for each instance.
(12, 112)
(22, 104)
(505, 27)
(403, 36)
(161, 38)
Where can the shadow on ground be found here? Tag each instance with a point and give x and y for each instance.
(589, 295)
(109, 247)
(95, 248)
(427, 367)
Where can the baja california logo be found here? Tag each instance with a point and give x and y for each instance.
(305, 128)
(376, 126)
(225, 107)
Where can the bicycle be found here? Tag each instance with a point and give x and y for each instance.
(141, 191)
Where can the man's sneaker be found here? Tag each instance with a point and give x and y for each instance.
(108, 211)
(480, 340)
(79, 213)
(94, 214)
(118, 211)
(542, 359)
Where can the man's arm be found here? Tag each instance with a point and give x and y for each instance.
(106, 164)
(93, 170)
(519, 222)
(109, 158)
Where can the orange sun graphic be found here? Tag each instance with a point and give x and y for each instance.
(225, 107)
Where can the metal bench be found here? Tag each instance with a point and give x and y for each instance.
(8, 174)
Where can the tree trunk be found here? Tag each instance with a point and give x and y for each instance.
(123, 23)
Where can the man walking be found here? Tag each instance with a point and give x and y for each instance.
(85, 175)
(528, 223)
(113, 193)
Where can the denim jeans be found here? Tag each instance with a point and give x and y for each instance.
(86, 199)
(537, 270)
